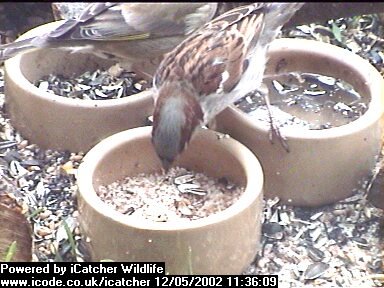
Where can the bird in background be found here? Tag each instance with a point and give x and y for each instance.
(211, 69)
(123, 31)
(72, 10)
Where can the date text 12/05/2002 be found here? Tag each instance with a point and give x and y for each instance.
(217, 281)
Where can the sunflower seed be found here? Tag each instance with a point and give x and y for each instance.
(192, 188)
(183, 179)
(30, 162)
(273, 230)
(44, 85)
(316, 233)
(16, 170)
(315, 270)
(316, 215)
(360, 242)
(8, 144)
(315, 254)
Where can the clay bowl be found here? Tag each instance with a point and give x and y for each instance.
(323, 166)
(55, 122)
(221, 243)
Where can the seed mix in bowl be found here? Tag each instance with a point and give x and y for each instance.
(177, 195)
(100, 84)
(301, 100)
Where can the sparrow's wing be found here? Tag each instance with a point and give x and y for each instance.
(131, 21)
(110, 22)
(88, 15)
(214, 59)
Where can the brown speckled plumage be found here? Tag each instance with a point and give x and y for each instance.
(210, 70)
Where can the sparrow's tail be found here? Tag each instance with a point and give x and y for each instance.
(44, 40)
(12, 49)
(277, 14)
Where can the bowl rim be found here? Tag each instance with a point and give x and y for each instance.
(252, 167)
(371, 76)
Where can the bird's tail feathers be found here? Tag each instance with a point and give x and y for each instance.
(12, 49)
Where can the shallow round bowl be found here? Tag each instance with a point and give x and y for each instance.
(56, 122)
(221, 243)
(323, 166)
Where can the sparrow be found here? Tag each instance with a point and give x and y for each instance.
(211, 69)
(123, 31)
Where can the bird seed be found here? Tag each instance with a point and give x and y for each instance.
(96, 85)
(306, 101)
(177, 195)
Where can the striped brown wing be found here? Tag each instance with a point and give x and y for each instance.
(213, 60)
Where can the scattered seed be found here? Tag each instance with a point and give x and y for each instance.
(157, 198)
(45, 214)
(297, 96)
(96, 85)
(187, 178)
(43, 231)
(315, 254)
(7, 144)
(315, 270)
(191, 188)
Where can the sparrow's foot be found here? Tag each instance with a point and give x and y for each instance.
(275, 132)
(274, 129)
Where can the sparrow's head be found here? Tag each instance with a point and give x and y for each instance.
(177, 114)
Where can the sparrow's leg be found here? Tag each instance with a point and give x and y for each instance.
(212, 124)
(274, 131)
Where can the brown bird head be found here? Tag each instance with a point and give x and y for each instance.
(177, 114)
